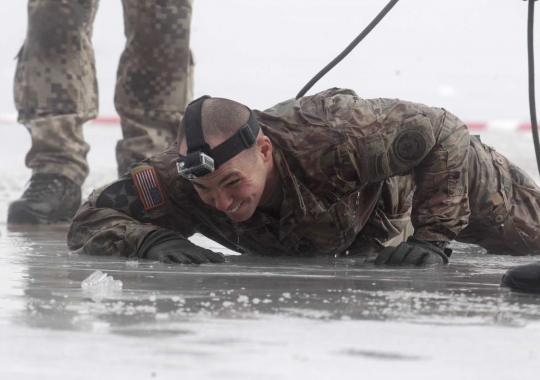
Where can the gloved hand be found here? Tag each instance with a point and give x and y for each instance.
(413, 252)
(169, 247)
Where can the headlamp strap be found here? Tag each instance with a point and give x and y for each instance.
(193, 124)
(245, 138)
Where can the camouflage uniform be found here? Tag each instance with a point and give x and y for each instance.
(505, 204)
(354, 172)
(56, 89)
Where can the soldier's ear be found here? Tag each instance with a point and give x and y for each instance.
(265, 147)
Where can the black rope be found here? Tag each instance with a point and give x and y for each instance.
(349, 48)
(532, 100)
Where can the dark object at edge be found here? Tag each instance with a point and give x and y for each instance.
(532, 97)
(523, 278)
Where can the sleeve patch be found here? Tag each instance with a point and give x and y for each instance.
(410, 145)
(149, 189)
(122, 196)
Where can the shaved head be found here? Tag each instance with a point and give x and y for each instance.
(220, 119)
(241, 183)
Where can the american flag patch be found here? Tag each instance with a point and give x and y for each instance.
(149, 189)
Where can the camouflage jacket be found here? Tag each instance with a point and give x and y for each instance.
(349, 168)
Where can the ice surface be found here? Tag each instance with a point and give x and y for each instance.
(100, 283)
(258, 317)
(329, 318)
(132, 263)
(316, 318)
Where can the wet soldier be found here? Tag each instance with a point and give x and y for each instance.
(328, 174)
(56, 93)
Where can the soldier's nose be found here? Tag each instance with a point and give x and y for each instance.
(222, 201)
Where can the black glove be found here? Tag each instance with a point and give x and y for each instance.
(169, 247)
(413, 252)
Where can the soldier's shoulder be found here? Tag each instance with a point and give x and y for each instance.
(313, 105)
(143, 192)
(120, 195)
(336, 92)
(305, 124)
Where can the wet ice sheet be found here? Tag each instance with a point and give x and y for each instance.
(259, 318)
(327, 288)
(253, 318)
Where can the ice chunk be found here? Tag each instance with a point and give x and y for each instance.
(243, 299)
(100, 283)
(93, 279)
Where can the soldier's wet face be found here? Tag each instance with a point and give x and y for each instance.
(241, 184)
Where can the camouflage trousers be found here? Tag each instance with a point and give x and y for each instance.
(56, 89)
(504, 203)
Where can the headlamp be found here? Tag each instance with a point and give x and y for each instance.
(200, 159)
(195, 165)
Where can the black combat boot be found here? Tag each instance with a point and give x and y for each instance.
(523, 278)
(49, 198)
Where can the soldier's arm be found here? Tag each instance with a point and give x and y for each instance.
(111, 222)
(391, 137)
(132, 217)
(441, 205)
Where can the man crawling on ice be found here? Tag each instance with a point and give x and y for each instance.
(328, 174)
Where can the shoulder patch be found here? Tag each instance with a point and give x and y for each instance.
(149, 189)
(122, 196)
(410, 145)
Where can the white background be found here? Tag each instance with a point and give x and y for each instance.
(468, 56)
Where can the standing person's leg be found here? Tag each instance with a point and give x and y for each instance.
(154, 82)
(55, 93)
